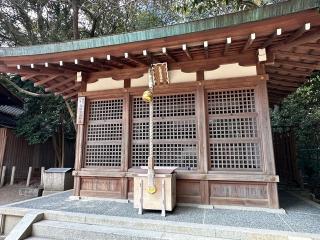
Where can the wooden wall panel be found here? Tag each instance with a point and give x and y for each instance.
(188, 191)
(101, 187)
(237, 193)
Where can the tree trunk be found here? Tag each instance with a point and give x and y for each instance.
(75, 19)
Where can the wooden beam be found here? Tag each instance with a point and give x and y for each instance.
(227, 45)
(287, 78)
(96, 66)
(200, 75)
(186, 51)
(149, 56)
(77, 67)
(186, 66)
(271, 38)
(310, 46)
(249, 42)
(299, 55)
(298, 64)
(46, 80)
(75, 87)
(168, 55)
(119, 61)
(206, 49)
(28, 76)
(281, 87)
(301, 41)
(134, 59)
(287, 71)
(70, 95)
(60, 83)
(127, 83)
(298, 33)
(284, 83)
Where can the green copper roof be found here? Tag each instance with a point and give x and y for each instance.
(262, 13)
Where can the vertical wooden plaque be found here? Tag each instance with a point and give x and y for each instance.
(80, 110)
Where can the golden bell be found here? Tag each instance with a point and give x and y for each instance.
(147, 96)
(151, 189)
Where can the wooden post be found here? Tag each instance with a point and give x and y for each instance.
(3, 174)
(125, 142)
(202, 119)
(80, 142)
(13, 170)
(29, 177)
(42, 176)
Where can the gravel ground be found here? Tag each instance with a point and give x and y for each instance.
(10, 194)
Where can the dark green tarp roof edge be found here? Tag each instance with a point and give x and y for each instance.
(222, 21)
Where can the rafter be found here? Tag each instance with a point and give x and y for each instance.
(299, 55)
(284, 83)
(298, 64)
(287, 78)
(186, 51)
(287, 71)
(70, 95)
(28, 76)
(134, 59)
(206, 49)
(301, 41)
(46, 80)
(168, 55)
(298, 33)
(227, 45)
(72, 87)
(61, 83)
(249, 42)
(271, 38)
(310, 46)
(119, 61)
(281, 87)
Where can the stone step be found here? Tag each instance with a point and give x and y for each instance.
(73, 231)
(38, 238)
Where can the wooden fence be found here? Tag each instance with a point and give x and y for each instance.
(15, 151)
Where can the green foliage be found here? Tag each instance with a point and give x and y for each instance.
(301, 110)
(43, 116)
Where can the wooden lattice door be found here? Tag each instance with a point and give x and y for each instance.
(175, 131)
(233, 130)
(104, 133)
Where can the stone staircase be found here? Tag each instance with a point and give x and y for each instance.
(47, 229)
(71, 226)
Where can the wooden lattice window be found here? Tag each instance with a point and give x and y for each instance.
(104, 133)
(233, 132)
(175, 131)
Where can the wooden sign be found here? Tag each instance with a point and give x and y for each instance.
(80, 110)
(160, 73)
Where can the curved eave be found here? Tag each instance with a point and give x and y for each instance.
(223, 21)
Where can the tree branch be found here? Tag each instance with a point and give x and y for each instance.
(21, 90)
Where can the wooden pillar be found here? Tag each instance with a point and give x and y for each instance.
(80, 143)
(126, 133)
(267, 153)
(202, 123)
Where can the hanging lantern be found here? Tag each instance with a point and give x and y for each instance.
(147, 96)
